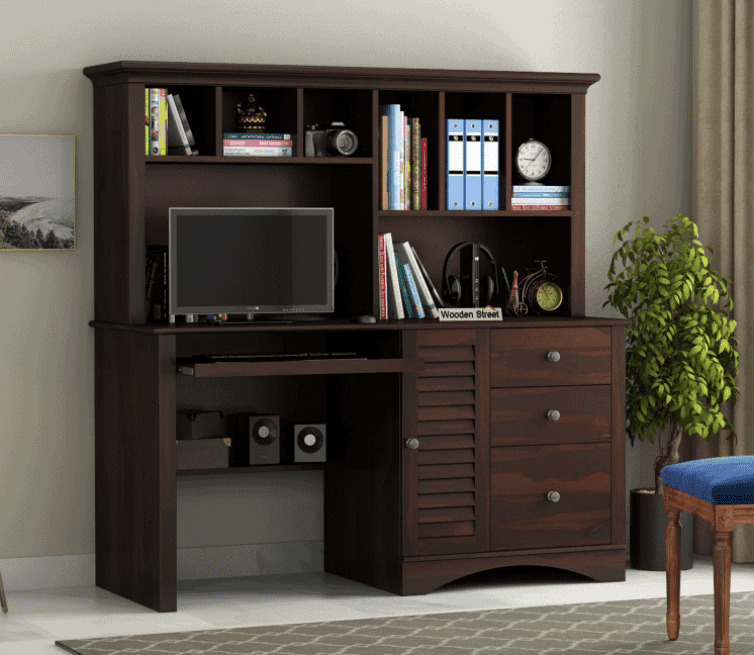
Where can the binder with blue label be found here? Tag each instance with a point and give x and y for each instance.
(454, 155)
(490, 164)
(473, 171)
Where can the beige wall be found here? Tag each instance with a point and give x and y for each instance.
(638, 162)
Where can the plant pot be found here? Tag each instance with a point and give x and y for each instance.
(647, 528)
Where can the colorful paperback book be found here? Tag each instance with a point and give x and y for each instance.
(539, 188)
(393, 155)
(424, 173)
(184, 122)
(413, 291)
(541, 194)
(383, 278)
(540, 207)
(146, 117)
(409, 164)
(416, 169)
(384, 192)
(403, 284)
(154, 121)
(257, 135)
(163, 122)
(425, 296)
(243, 151)
(395, 302)
(176, 135)
(432, 289)
(517, 200)
(257, 143)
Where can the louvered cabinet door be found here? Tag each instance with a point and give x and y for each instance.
(445, 450)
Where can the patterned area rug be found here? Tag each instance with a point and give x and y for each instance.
(610, 628)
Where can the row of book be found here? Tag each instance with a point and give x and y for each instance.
(166, 125)
(403, 153)
(539, 197)
(472, 157)
(252, 144)
(406, 291)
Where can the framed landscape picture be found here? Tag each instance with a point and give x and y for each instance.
(37, 192)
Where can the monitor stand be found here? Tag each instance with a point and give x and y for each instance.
(273, 318)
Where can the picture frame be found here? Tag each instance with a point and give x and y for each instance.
(37, 192)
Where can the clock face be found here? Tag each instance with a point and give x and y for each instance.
(533, 160)
(549, 296)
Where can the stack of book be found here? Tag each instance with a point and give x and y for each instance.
(405, 288)
(166, 125)
(403, 154)
(539, 197)
(251, 144)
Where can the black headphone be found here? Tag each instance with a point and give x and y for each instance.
(451, 285)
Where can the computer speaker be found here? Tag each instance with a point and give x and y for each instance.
(309, 442)
(256, 439)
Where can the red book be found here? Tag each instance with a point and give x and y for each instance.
(383, 290)
(424, 173)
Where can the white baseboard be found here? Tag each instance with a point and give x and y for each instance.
(27, 573)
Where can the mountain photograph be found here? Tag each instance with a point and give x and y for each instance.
(37, 199)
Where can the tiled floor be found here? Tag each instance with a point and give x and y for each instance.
(37, 618)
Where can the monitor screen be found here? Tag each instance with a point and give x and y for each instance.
(250, 260)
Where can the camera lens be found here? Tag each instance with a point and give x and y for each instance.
(341, 142)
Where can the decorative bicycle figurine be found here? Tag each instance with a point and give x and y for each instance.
(537, 290)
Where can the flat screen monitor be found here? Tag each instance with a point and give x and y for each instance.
(232, 260)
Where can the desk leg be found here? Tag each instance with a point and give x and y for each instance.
(673, 540)
(721, 556)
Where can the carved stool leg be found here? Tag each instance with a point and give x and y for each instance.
(721, 574)
(673, 540)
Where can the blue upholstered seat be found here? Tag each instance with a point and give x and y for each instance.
(720, 480)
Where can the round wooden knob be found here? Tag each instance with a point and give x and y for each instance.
(553, 496)
(553, 356)
(413, 444)
(553, 414)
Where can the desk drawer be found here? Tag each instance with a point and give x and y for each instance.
(521, 416)
(519, 358)
(521, 514)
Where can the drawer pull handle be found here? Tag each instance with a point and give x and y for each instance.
(553, 414)
(553, 356)
(413, 444)
(553, 496)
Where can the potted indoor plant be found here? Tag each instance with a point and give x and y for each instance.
(681, 360)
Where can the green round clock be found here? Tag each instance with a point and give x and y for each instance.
(548, 296)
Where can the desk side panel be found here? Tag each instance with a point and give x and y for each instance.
(135, 480)
(362, 484)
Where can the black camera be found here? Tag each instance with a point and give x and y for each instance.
(330, 140)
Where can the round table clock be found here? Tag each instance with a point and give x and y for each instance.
(533, 160)
(548, 296)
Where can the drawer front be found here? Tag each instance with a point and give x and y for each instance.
(519, 358)
(526, 416)
(521, 514)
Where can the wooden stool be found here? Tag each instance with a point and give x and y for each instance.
(719, 490)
